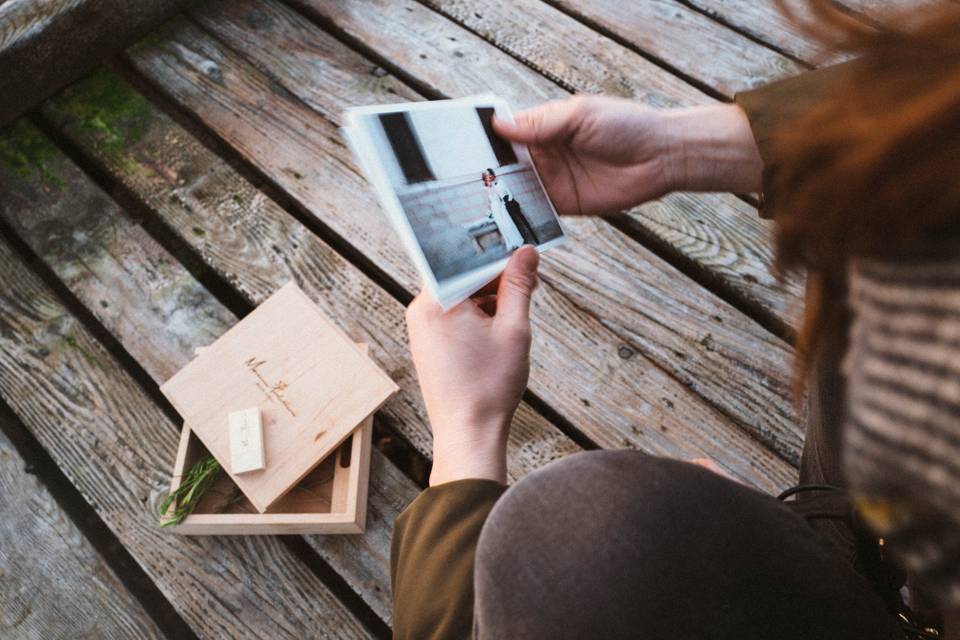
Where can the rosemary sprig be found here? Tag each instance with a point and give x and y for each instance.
(194, 484)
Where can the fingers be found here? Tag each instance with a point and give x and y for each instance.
(517, 283)
(422, 307)
(549, 123)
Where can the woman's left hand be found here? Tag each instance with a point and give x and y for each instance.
(473, 363)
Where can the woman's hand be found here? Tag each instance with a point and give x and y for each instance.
(473, 363)
(603, 155)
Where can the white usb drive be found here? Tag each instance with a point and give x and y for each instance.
(246, 441)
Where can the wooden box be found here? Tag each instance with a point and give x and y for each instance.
(332, 498)
(311, 383)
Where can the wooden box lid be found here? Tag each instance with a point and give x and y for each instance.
(313, 386)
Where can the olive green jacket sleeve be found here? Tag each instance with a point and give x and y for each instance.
(431, 559)
(774, 107)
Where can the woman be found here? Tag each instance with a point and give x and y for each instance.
(498, 211)
(858, 166)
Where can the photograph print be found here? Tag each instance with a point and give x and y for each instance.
(462, 197)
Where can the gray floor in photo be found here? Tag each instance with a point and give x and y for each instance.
(453, 224)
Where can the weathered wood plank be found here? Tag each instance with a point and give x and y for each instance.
(44, 44)
(764, 21)
(730, 243)
(277, 24)
(131, 283)
(105, 258)
(693, 44)
(53, 583)
(589, 62)
(117, 448)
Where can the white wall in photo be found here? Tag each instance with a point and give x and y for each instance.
(453, 142)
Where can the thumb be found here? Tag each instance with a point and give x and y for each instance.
(517, 283)
(550, 122)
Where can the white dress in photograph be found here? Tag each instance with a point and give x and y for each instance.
(511, 235)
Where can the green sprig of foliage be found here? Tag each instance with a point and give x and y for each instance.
(194, 484)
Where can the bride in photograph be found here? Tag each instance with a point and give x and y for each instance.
(498, 210)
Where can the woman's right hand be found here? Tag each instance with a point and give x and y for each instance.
(600, 155)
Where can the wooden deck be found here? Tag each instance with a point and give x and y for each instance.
(148, 206)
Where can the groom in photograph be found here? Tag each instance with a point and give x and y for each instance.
(513, 209)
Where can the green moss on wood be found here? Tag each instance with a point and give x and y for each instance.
(89, 357)
(106, 108)
(159, 38)
(28, 154)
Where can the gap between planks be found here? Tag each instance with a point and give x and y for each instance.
(115, 347)
(764, 23)
(658, 60)
(122, 578)
(722, 19)
(41, 347)
(262, 182)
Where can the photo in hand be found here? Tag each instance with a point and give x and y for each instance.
(462, 198)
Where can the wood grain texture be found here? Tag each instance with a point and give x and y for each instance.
(34, 204)
(877, 8)
(53, 583)
(696, 46)
(258, 247)
(44, 44)
(302, 375)
(567, 379)
(23, 18)
(765, 22)
(426, 44)
(117, 448)
(101, 254)
(724, 236)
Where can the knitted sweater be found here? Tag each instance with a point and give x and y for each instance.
(902, 434)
